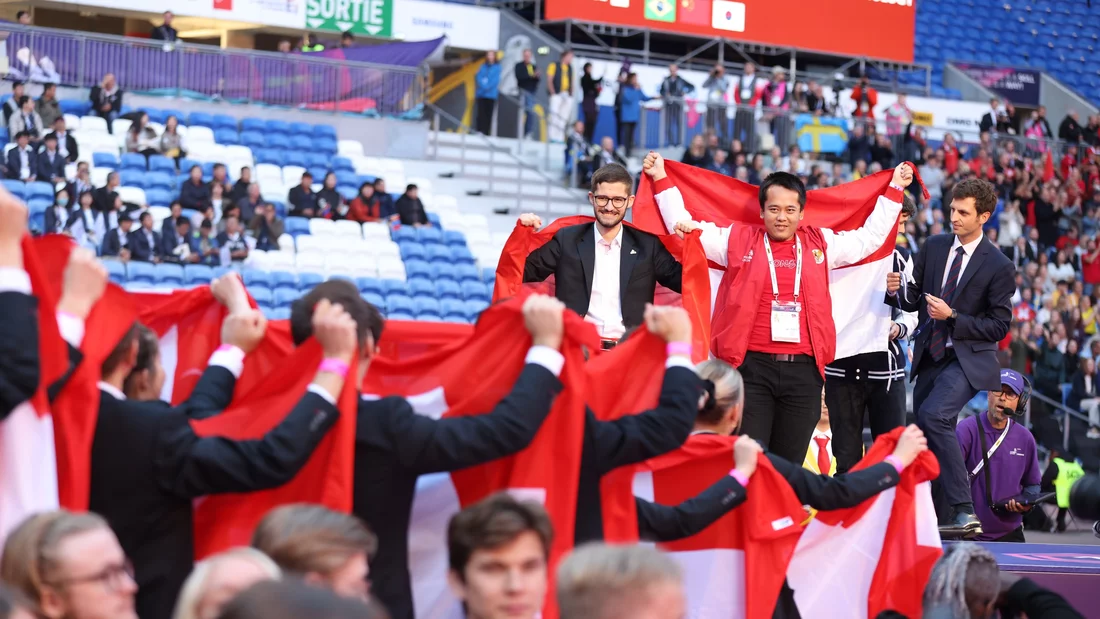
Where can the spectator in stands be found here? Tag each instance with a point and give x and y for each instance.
(328, 202)
(64, 562)
(206, 246)
(87, 226)
(301, 199)
(498, 553)
(385, 200)
(717, 87)
(410, 209)
(57, 215)
(866, 98)
(673, 90)
(27, 121)
(719, 164)
(165, 32)
(898, 117)
(309, 44)
(607, 155)
(488, 88)
(194, 193)
(22, 162)
(216, 580)
(1084, 395)
(366, 206)
(881, 153)
(292, 599)
(145, 243)
(599, 581)
(11, 106)
(527, 79)
(220, 177)
(232, 240)
(106, 98)
(141, 138)
(1048, 365)
(816, 103)
(988, 123)
(347, 39)
(66, 143)
(932, 175)
(1042, 122)
(171, 142)
(117, 241)
(590, 91)
(106, 196)
(323, 547)
(48, 108)
(697, 153)
(168, 226)
(285, 46)
(266, 227)
(632, 99)
(23, 17)
(51, 164)
(219, 203)
(242, 188)
(560, 83)
(230, 210)
(1070, 130)
(176, 244)
(859, 146)
(251, 202)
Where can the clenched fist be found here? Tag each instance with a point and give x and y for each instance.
(530, 220)
(903, 175)
(654, 166)
(893, 282)
(684, 228)
(542, 315)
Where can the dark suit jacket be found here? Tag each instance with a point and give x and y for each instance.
(140, 249)
(112, 243)
(632, 439)
(15, 162)
(983, 300)
(19, 373)
(98, 98)
(1077, 391)
(988, 122)
(102, 199)
(47, 171)
(71, 147)
(168, 244)
(395, 445)
(55, 223)
(194, 196)
(571, 257)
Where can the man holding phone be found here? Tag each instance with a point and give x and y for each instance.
(1001, 461)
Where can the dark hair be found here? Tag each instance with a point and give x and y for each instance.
(492, 523)
(175, 203)
(48, 86)
(121, 350)
(307, 174)
(24, 100)
(219, 165)
(195, 167)
(379, 179)
(144, 215)
(908, 206)
(148, 349)
(206, 224)
(365, 184)
(613, 173)
(410, 187)
(50, 136)
(20, 14)
(367, 318)
(291, 599)
(985, 196)
(784, 180)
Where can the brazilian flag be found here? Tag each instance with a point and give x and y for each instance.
(660, 10)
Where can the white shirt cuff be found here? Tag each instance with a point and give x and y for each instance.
(679, 361)
(231, 358)
(321, 391)
(546, 357)
(71, 328)
(14, 280)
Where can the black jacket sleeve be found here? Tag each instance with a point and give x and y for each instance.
(668, 269)
(910, 300)
(19, 363)
(428, 445)
(75, 358)
(848, 490)
(190, 466)
(212, 394)
(543, 262)
(664, 523)
(634, 438)
(1029, 598)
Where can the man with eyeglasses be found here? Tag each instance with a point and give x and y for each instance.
(605, 271)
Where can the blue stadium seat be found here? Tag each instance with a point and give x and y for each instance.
(444, 270)
(426, 305)
(263, 296)
(200, 119)
(418, 268)
(475, 291)
(433, 218)
(274, 156)
(421, 286)
(413, 251)
(326, 145)
(37, 223)
(347, 278)
(376, 300)
(283, 297)
(253, 124)
(277, 140)
(134, 161)
(343, 164)
(438, 254)
(324, 131)
(474, 308)
(318, 173)
(366, 178)
(369, 285)
(399, 316)
(160, 180)
(229, 137)
(196, 274)
(403, 234)
(140, 272)
(40, 189)
(16, 188)
(348, 192)
(317, 160)
(132, 178)
(224, 121)
(297, 225)
(489, 275)
(279, 206)
(301, 142)
(453, 309)
(160, 163)
(265, 310)
(283, 280)
(116, 271)
(454, 237)
(430, 235)
(254, 140)
(448, 289)
(277, 126)
(399, 303)
(186, 165)
(105, 160)
(257, 277)
(280, 313)
(76, 107)
(295, 156)
(39, 205)
(169, 274)
(462, 255)
(308, 279)
(394, 286)
(467, 273)
(300, 128)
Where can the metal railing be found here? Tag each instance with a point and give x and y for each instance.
(1068, 416)
(81, 59)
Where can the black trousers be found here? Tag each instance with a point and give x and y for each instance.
(485, 115)
(848, 400)
(782, 403)
(591, 114)
(626, 137)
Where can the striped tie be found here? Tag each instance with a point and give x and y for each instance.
(938, 344)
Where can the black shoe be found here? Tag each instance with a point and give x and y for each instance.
(962, 526)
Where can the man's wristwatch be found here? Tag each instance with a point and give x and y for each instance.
(952, 317)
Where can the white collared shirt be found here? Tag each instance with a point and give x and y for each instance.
(111, 390)
(605, 304)
(24, 163)
(63, 144)
(968, 252)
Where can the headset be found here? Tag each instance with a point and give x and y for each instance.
(1021, 405)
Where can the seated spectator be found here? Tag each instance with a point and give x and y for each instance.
(194, 193)
(367, 206)
(697, 153)
(87, 226)
(106, 98)
(882, 153)
(291, 599)
(1084, 395)
(218, 579)
(141, 138)
(145, 243)
(27, 120)
(58, 214)
(325, 548)
(219, 203)
(243, 187)
(48, 107)
(176, 245)
(172, 144)
(206, 245)
(606, 155)
(51, 164)
(301, 198)
(327, 202)
(11, 106)
(230, 210)
(251, 200)
(168, 226)
(410, 209)
(106, 197)
(63, 561)
(22, 160)
(1061, 270)
(266, 227)
(66, 143)
(719, 164)
(220, 177)
(385, 200)
(232, 241)
(117, 242)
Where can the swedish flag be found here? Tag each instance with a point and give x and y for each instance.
(821, 135)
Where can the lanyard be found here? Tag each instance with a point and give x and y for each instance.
(989, 454)
(797, 268)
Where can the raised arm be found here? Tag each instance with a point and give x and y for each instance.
(670, 202)
(849, 247)
(543, 262)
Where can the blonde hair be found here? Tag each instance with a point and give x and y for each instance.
(31, 559)
(598, 581)
(303, 538)
(729, 388)
(196, 584)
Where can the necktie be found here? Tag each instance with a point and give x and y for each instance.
(938, 344)
(823, 463)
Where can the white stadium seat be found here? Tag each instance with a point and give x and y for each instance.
(310, 261)
(292, 175)
(322, 227)
(424, 184)
(93, 124)
(199, 135)
(286, 244)
(310, 243)
(133, 195)
(391, 268)
(376, 231)
(267, 173)
(72, 122)
(120, 126)
(281, 260)
(349, 148)
(348, 228)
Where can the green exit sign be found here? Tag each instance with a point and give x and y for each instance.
(366, 17)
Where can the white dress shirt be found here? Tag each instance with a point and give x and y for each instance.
(814, 448)
(968, 252)
(63, 144)
(25, 171)
(605, 304)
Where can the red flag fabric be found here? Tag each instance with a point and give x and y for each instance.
(695, 282)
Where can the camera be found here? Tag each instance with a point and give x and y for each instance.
(1084, 498)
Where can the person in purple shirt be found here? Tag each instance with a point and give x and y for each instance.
(1013, 465)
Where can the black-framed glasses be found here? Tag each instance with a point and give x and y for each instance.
(113, 577)
(617, 201)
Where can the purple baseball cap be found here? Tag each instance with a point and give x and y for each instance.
(1014, 381)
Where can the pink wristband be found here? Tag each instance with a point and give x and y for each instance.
(678, 348)
(224, 348)
(334, 366)
(896, 461)
(740, 477)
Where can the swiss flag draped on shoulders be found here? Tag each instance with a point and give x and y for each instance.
(695, 283)
(857, 290)
(471, 377)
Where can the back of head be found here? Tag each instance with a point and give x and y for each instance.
(31, 556)
(598, 581)
(367, 318)
(291, 599)
(965, 582)
(728, 389)
(210, 574)
(303, 538)
(492, 523)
